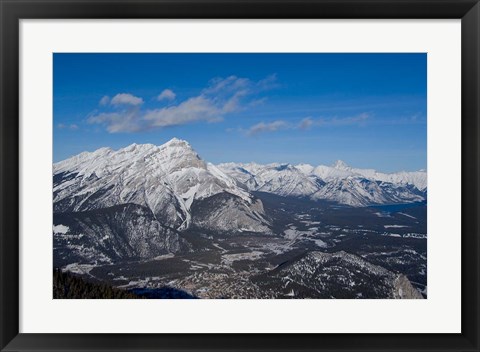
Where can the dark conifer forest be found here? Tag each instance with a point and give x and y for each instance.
(67, 285)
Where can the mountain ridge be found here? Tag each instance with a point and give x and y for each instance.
(174, 176)
(166, 179)
(339, 182)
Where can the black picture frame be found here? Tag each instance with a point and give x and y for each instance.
(14, 10)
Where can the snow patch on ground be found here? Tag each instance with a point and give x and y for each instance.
(383, 215)
(138, 283)
(230, 258)
(308, 222)
(62, 229)
(216, 245)
(394, 226)
(291, 233)
(419, 236)
(408, 216)
(319, 243)
(391, 234)
(80, 269)
(165, 256)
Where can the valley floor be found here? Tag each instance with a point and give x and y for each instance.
(317, 250)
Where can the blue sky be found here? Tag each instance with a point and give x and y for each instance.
(366, 109)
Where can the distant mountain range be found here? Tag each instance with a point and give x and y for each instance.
(339, 183)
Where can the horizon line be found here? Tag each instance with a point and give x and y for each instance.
(242, 162)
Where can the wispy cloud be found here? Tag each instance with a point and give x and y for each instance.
(414, 119)
(127, 120)
(221, 97)
(166, 94)
(268, 83)
(305, 124)
(104, 101)
(267, 127)
(360, 119)
(66, 126)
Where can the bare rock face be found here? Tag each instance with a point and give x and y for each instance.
(404, 289)
(226, 212)
(166, 179)
(114, 234)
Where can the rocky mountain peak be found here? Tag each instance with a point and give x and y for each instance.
(177, 143)
(340, 165)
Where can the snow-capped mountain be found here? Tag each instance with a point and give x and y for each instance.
(281, 179)
(339, 182)
(165, 179)
(341, 170)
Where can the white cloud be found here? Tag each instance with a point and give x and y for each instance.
(194, 109)
(126, 99)
(167, 94)
(104, 101)
(128, 120)
(221, 97)
(306, 123)
(267, 127)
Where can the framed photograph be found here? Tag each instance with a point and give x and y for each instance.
(242, 176)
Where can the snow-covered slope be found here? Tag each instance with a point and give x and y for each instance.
(415, 178)
(339, 182)
(166, 179)
(282, 179)
(338, 274)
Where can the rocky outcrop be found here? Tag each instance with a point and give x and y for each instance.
(403, 289)
(114, 234)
